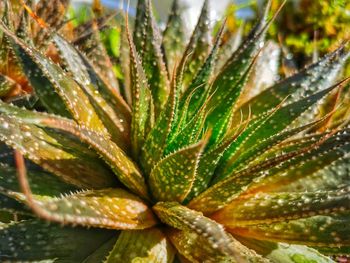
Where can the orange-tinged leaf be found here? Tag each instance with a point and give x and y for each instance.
(54, 153)
(274, 207)
(112, 208)
(319, 231)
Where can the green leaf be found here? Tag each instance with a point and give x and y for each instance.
(173, 36)
(11, 205)
(71, 95)
(222, 193)
(198, 88)
(196, 248)
(207, 165)
(282, 252)
(100, 254)
(271, 207)
(273, 124)
(156, 140)
(198, 47)
(148, 44)
(108, 208)
(325, 168)
(312, 79)
(34, 240)
(183, 218)
(330, 231)
(189, 134)
(114, 116)
(255, 151)
(149, 245)
(228, 85)
(142, 98)
(172, 178)
(42, 183)
(125, 169)
(62, 155)
(73, 136)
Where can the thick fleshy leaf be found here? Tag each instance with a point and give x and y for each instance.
(222, 193)
(273, 124)
(114, 117)
(12, 206)
(149, 245)
(312, 79)
(229, 83)
(71, 95)
(207, 164)
(62, 155)
(198, 47)
(125, 169)
(42, 183)
(183, 218)
(190, 134)
(174, 36)
(282, 252)
(100, 254)
(257, 150)
(329, 171)
(109, 208)
(197, 249)
(142, 98)
(275, 207)
(156, 140)
(330, 231)
(33, 240)
(173, 177)
(197, 92)
(148, 44)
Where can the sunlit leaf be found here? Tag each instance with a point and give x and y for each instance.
(312, 79)
(331, 231)
(109, 208)
(266, 208)
(64, 156)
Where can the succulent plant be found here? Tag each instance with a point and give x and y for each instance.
(182, 173)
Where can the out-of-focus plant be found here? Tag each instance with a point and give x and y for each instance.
(311, 27)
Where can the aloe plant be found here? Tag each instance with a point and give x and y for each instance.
(182, 173)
